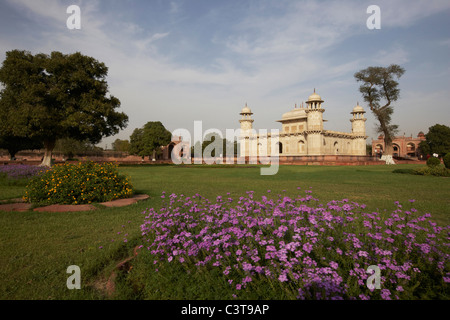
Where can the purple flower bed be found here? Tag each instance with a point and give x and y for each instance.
(21, 171)
(311, 250)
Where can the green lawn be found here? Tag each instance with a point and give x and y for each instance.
(37, 248)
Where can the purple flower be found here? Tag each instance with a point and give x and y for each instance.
(312, 220)
(386, 294)
(425, 248)
(241, 233)
(283, 277)
(307, 247)
(363, 254)
(21, 171)
(247, 266)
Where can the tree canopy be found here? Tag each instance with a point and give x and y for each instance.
(121, 145)
(50, 97)
(379, 89)
(148, 139)
(437, 140)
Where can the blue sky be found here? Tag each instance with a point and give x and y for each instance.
(186, 60)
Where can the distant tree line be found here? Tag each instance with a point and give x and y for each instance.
(211, 144)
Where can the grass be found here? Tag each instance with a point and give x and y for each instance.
(11, 189)
(375, 186)
(37, 248)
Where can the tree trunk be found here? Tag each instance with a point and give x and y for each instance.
(49, 145)
(12, 154)
(388, 149)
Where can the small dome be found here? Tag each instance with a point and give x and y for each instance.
(358, 109)
(314, 97)
(246, 109)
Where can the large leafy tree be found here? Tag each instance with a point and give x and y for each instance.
(136, 142)
(379, 89)
(147, 140)
(437, 140)
(50, 97)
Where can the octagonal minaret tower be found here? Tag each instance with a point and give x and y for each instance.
(246, 119)
(359, 130)
(246, 131)
(314, 112)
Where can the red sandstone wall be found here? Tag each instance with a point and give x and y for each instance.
(330, 160)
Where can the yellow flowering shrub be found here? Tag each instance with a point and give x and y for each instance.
(81, 183)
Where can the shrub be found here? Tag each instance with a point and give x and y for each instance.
(433, 162)
(78, 183)
(298, 248)
(447, 160)
(408, 171)
(439, 171)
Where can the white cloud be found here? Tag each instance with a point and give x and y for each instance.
(147, 43)
(395, 55)
(174, 7)
(42, 11)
